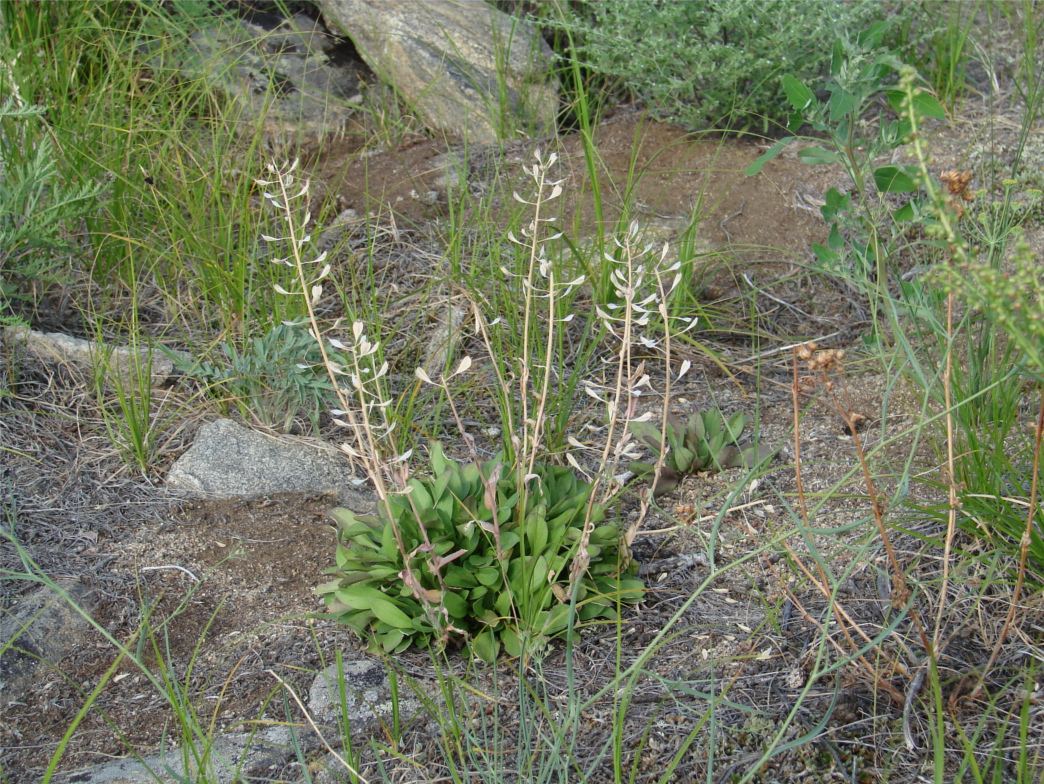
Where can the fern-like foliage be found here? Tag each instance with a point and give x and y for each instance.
(273, 378)
(35, 202)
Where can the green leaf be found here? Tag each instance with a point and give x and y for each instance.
(697, 430)
(457, 577)
(390, 614)
(484, 646)
(837, 57)
(764, 158)
(455, 605)
(469, 475)
(455, 485)
(556, 528)
(437, 459)
(647, 432)
(419, 495)
(798, 94)
(359, 596)
(536, 530)
(344, 518)
(440, 490)
(389, 547)
(923, 103)
(591, 610)
(509, 539)
(834, 240)
(479, 560)
(555, 620)
(825, 256)
(675, 435)
(836, 202)
(324, 588)
(870, 38)
(509, 639)
(813, 156)
(538, 577)
(631, 590)
(641, 469)
(893, 179)
(503, 604)
(605, 534)
(842, 102)
(904, 213)
(736, 425)
(488, 576)
(683, 459)
(391, 640)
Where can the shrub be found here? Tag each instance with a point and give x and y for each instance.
(714, 63)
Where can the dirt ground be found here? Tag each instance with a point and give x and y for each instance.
(228, 585)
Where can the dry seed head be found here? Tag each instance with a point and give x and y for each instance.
(958, 189)
(828, 359)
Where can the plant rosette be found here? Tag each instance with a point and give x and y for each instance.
(477, 553)
(707, 442)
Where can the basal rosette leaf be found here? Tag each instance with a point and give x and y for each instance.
(437, 554)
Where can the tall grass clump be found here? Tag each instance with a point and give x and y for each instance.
(173, 156)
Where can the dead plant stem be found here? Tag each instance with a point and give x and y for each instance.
(951, 479)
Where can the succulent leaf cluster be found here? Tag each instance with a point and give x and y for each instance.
(469, 555)
(708, 441)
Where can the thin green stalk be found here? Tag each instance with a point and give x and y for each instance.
(103, 682)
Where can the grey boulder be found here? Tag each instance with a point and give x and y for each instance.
(276, 71)
(120, 364)
(462, 65)
(228, 460)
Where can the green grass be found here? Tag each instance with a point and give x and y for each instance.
(135, 169)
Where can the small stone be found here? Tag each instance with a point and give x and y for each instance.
(228, 460)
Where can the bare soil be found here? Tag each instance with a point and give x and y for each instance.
(227, 586)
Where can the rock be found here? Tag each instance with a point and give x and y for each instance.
(120, 363)
(345, 224)
(443, 340)
(231, 758)
(277, 71)
(244, 757)
(442, 56)
(38, 631)
(451, 171)
(367, 699)
(228, 460)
